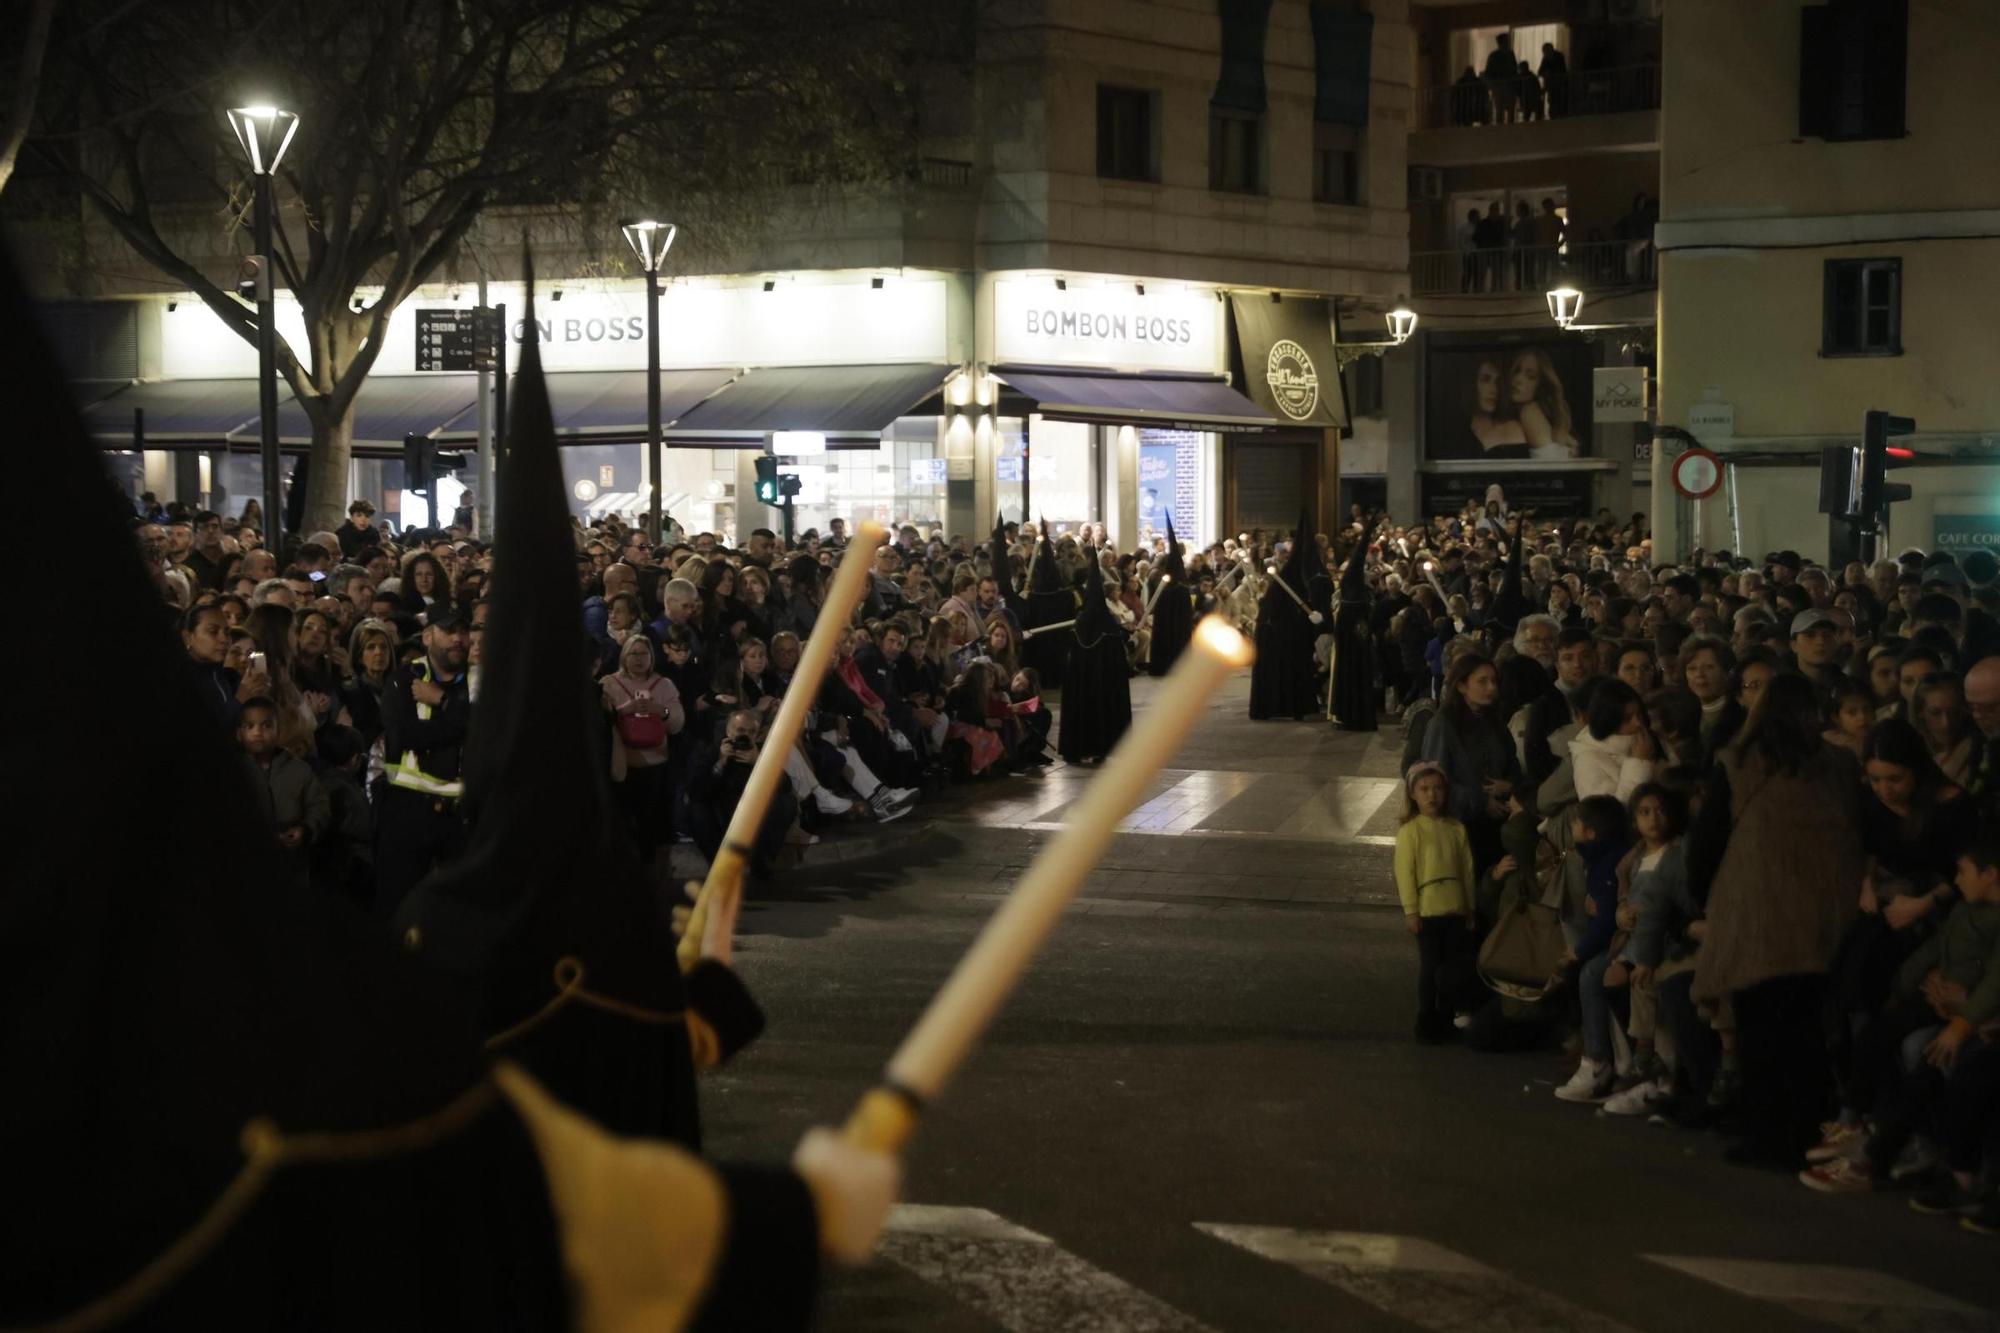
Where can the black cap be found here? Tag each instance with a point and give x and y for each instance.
(448, 615)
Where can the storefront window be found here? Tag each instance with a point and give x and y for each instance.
(1063, 469)
(902, 480)
(1170, 474)
(1010, 449)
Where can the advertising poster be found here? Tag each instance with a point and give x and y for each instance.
(1509, 403)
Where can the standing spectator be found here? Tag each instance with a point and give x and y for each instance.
(1469, 741)
(1521, 237)
(1941, 717)
(1434, 881)
(1503, 79)
(1490, 239)
(1548, 239)
(293, 801)
(1554, 70)
(1531, 94)
(1468, 251)
(1779, 825)
(358, 533)
(1469, 105)
(645, 711)
(206, 638)
(1982, 704)
(424, 714)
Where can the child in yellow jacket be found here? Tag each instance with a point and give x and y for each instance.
(1435, 881)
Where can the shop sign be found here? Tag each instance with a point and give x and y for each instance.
(1618, 393)
(1978, 529)
(1289, 367)
(1107, 324)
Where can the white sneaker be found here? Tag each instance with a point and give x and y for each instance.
(1592, 1082)
(1639, 1099)
(1461, 1021)
(1918, 1159)
(903, 795)
(829, 803)
(885, 810)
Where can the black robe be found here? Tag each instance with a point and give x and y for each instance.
(1097, 684)
(1282, 681)
(1047, 602)
(1354, 678)
(1173, 627)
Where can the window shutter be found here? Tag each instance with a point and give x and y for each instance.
(1342, 47)
(1244, 25)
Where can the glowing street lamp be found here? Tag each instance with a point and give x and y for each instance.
(265, 133)
(1402, 321)
(650, 241)
(1565, 304)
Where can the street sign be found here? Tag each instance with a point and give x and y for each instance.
(1712, 420)
(449, 338)
(1697, 474)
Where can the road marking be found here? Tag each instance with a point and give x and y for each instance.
(1018, 1278)
(1857, 1298)
(1416, 1280)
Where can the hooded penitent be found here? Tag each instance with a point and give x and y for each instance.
(1097, 690)
(1003, 572)
(1173, 609)
(1354, 643)
(1281, 682)
(548, 920)
(1049, 602)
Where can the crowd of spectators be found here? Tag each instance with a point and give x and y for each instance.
(1760, 799)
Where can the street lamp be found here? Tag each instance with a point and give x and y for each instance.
(1565, 304)
(650, 241)
(265, 133)
(1402, 321)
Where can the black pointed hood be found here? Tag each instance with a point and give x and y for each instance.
(1048, 575)
(1003, 573)
(162, 983)
(1300, 561)
(547, 871)
(1354, 575)
(1172, 563)
(1094, 617)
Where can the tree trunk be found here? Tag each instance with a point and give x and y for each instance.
(326, 488)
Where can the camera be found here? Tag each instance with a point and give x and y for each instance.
(739, 742)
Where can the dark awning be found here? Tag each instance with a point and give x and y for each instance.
(844, 403)
(1178, 402)
(609, 406)
(388, 408)
(200, 411)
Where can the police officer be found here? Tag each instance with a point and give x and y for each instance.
(424, 713)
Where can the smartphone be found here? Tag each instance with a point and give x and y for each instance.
(317, 576)
(256, 661)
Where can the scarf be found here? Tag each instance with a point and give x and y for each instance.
(850, 676)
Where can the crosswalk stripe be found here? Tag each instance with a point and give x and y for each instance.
(1018, 1278)
(1857, 1298)
(1416, 1280)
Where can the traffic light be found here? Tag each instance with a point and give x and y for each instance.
(253, 279)
(420, 464)
(767, 480)
(1877, 457)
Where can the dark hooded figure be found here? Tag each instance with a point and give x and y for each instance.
(547, 918)
(1173, 610)
(1354, 644)
(1281, 682)
(1048, 603)
(1097, 689)
(233, 1104)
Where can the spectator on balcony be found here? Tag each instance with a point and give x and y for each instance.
(1521, 238)
(1531, 94)
(1489, 237)
(1548, 238)
(1468, 250)
(1468, 99)
(1503, 79)
(1555, 80)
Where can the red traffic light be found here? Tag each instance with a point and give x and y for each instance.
(1899, 453)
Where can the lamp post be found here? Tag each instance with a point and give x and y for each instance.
(650, 241)
(265, 133)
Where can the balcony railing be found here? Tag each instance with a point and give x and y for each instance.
(1594, 92)
(1532, 268)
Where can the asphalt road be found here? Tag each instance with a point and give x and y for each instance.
(1203, 1108)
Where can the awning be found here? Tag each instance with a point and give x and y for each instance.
(197, 411)
(610, 405)
(1175, 402)
(388, 408)
(850, 405)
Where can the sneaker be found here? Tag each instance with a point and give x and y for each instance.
(1986, 1221)
(885, 810)
(1591, 1082)
(1639, 1099)
(1842, 1175)
(1461, 1021)
(830, 804)
(1918, 1159)
(1646, 1069)
(1946, 1198)
(1837, 1139)
(903, 795)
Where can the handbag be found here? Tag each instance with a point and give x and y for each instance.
(640, 731)
(1522, 956)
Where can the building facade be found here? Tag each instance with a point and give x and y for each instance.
(1829, 244)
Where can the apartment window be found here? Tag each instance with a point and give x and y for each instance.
(1853, 70)
(1863, 308)
(1336, 164)
(1235, 150)
(1125, 134)
(1364, 386)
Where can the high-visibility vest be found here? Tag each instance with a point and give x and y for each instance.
(408, 773)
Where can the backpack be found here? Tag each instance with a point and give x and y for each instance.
(1416, 721)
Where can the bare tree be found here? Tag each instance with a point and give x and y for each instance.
(418, 117)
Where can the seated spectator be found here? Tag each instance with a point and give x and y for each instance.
(716, 775)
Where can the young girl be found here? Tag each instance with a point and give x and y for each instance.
(1849, 715)
(1434, 879)
(1659, 909)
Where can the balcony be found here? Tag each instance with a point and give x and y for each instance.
(1592, 111)
(1597, 267)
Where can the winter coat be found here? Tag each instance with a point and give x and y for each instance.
(292, 797)
(1788, 880)
(1607, 767)
(1967, 951)
(1433, 867)
(1600, 859)
(1469, 758)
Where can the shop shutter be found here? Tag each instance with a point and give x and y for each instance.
(1244, 24)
